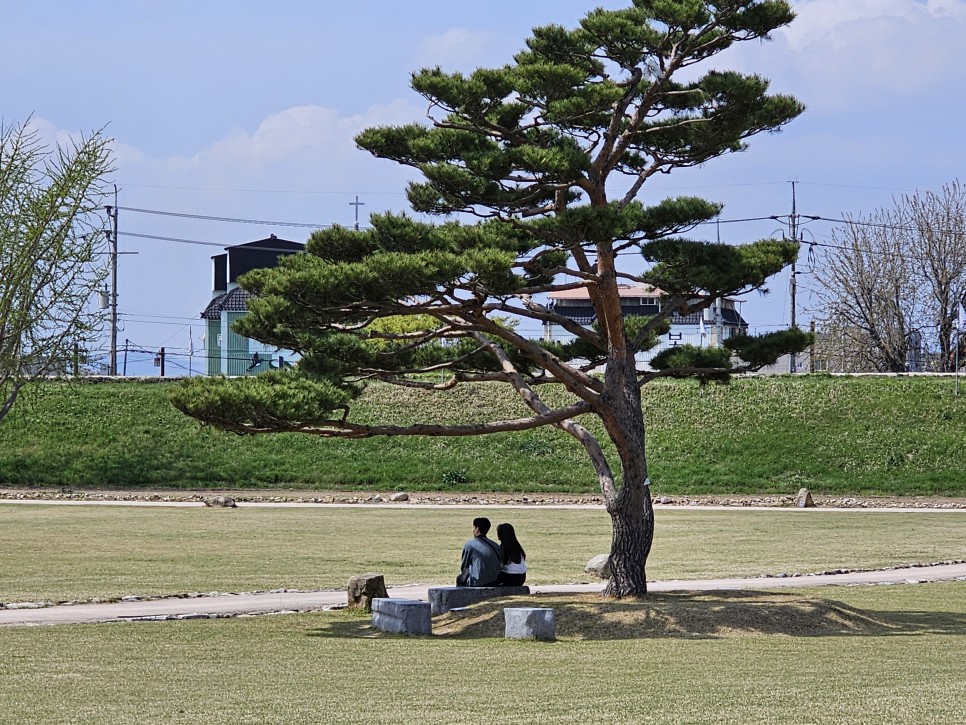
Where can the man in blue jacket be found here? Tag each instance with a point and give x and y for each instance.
(480, 563)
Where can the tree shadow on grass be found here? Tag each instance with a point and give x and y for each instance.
(679, 615)
(347, 624)
(710, 615)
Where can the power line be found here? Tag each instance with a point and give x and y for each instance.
(236, 220)
(857, 186)
(741, 221)
(173, 239)
(160, 317)
(233, 220)
(266, 191)
(723, 186)
(366, 192)
(180, 240)
(222, 245)
(160, 322)
(881, 225)
(224, 219)
(198, 242)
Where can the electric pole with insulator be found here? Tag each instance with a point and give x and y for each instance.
(793, 233)
(112, 237)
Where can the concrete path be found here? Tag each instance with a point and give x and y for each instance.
(241, 604)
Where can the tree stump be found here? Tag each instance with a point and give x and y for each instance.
(363, 588)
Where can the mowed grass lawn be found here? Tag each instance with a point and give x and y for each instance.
(63, 553)
(856, 655)
(865, 655)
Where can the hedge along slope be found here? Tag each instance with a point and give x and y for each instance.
(890, 436)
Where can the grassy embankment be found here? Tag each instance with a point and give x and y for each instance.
(889, 436)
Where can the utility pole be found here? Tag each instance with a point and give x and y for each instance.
(811, 349)
(112, 237)
(357, 204)
(793, 233)
(959, 337)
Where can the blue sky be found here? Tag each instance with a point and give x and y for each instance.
(247, 110)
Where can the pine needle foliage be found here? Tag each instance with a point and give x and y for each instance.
(537, 169)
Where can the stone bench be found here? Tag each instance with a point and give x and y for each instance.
(443, 599)
(530, 623)
(402, 616)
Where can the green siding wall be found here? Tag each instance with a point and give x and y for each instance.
(236, 348)
(212, 348)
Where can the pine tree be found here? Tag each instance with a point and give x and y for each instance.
(542, 162)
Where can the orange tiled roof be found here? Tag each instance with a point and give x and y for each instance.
(624, 290)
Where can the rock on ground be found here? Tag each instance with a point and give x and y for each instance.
(599, 566)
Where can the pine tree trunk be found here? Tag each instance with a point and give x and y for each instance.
(633, 532)
(630, 506)
(632, 512)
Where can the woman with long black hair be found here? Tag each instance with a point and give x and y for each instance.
(513, 571)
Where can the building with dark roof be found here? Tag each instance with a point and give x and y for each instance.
(708, 327)
(228, 352)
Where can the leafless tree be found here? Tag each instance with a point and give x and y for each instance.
(869, 299)
(935, 225)
(52, 252)
(888, 285)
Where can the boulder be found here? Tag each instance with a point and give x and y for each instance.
(398, 497)
(804, 499)
(599, 566)
(363, 588)
(221, 502)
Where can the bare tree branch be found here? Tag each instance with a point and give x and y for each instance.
(52, 253)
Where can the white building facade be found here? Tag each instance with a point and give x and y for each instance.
(707, 328)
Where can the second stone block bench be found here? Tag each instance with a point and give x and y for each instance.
(530, 623)
(402, 616)
(443, 599)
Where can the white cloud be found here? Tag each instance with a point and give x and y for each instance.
(125, 154)
(871, 51)
(457, 48)
(836, 24)
(301, 131)
(50, 134)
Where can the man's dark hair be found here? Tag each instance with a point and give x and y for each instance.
(482, 524)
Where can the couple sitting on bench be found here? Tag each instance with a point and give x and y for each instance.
(488, 564)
